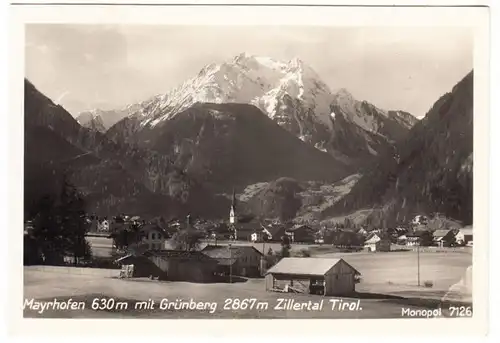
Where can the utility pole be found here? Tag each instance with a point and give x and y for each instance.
(230, 264)
(418, 263)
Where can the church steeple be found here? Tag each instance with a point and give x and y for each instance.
(232, 211)
(232, 217)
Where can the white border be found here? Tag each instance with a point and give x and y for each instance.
(273, 2)
(476, 18)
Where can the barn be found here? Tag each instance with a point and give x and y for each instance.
(237, 259)
(326, 276)
(172, 265)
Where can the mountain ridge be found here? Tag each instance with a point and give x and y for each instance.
(430, 171)
(146, 181)
(290, 92)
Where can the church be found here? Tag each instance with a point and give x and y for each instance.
(233, 218)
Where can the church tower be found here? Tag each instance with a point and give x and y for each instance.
(232, 216)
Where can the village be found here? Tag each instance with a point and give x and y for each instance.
(301, 259)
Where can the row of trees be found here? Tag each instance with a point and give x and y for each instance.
(59, 229)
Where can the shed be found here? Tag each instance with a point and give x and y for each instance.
(466, 233)
(244, 260)
(178, 265)
(173, 265)
(327, 275)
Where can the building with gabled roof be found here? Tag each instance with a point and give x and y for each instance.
(173, 265)
(243, 260)
(334, 276)
(465, 234)
(378, 242)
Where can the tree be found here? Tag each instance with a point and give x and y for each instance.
(285, 246)
(426, 238)
(450, 240)
(73, 225)
(60, 226)
(46, 235)
(128, 236)
(348, 223)
(187, 239)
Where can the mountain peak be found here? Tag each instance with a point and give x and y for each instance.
(343, 93)
(296, 62)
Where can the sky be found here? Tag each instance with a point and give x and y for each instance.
(84, 67)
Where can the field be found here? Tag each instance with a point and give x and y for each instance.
(397, 272)
(388, 285)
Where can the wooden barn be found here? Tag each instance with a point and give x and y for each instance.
(173, 265)
(237, 259)
(326, 276)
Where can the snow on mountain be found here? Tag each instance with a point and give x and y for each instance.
(289, 92)
(102, 120)
(260, 81)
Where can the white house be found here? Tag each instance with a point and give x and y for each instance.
(402, 240)
(103, 225)
(153, 237)
(419, 220)
(372, 239)
(466, 233)
(254, 237)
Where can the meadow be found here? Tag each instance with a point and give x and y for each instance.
(389, 282)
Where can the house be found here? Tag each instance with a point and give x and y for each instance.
(172, 265)
(377, 242)
(236, 259)
(302, 233)
(246, 231)
(28, 227)
(440, 237)
(413, 238)
(419, 220)
(330, 277)
(102, 225)
(384, 245)
(274, 232)
(153, 236)
(402, 240)
(372, 238)
(401, 230)
(362, 232)
(465, 235)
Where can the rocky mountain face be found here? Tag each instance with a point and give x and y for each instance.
(279, 199)
(101, 120)
(233, 145)
(246, 121)
(92, 122)
(114, 178)
(290, 93)
(430, 171)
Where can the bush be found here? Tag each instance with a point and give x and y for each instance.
(428, 284)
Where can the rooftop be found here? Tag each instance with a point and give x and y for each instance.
(440, 233)
(466, 230)
(177, 254)
(305, 266)
(224, 252)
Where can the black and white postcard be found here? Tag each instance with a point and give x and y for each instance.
(250, 162)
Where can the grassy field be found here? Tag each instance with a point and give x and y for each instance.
(45, 286)
(388, 285)
(397, 272)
